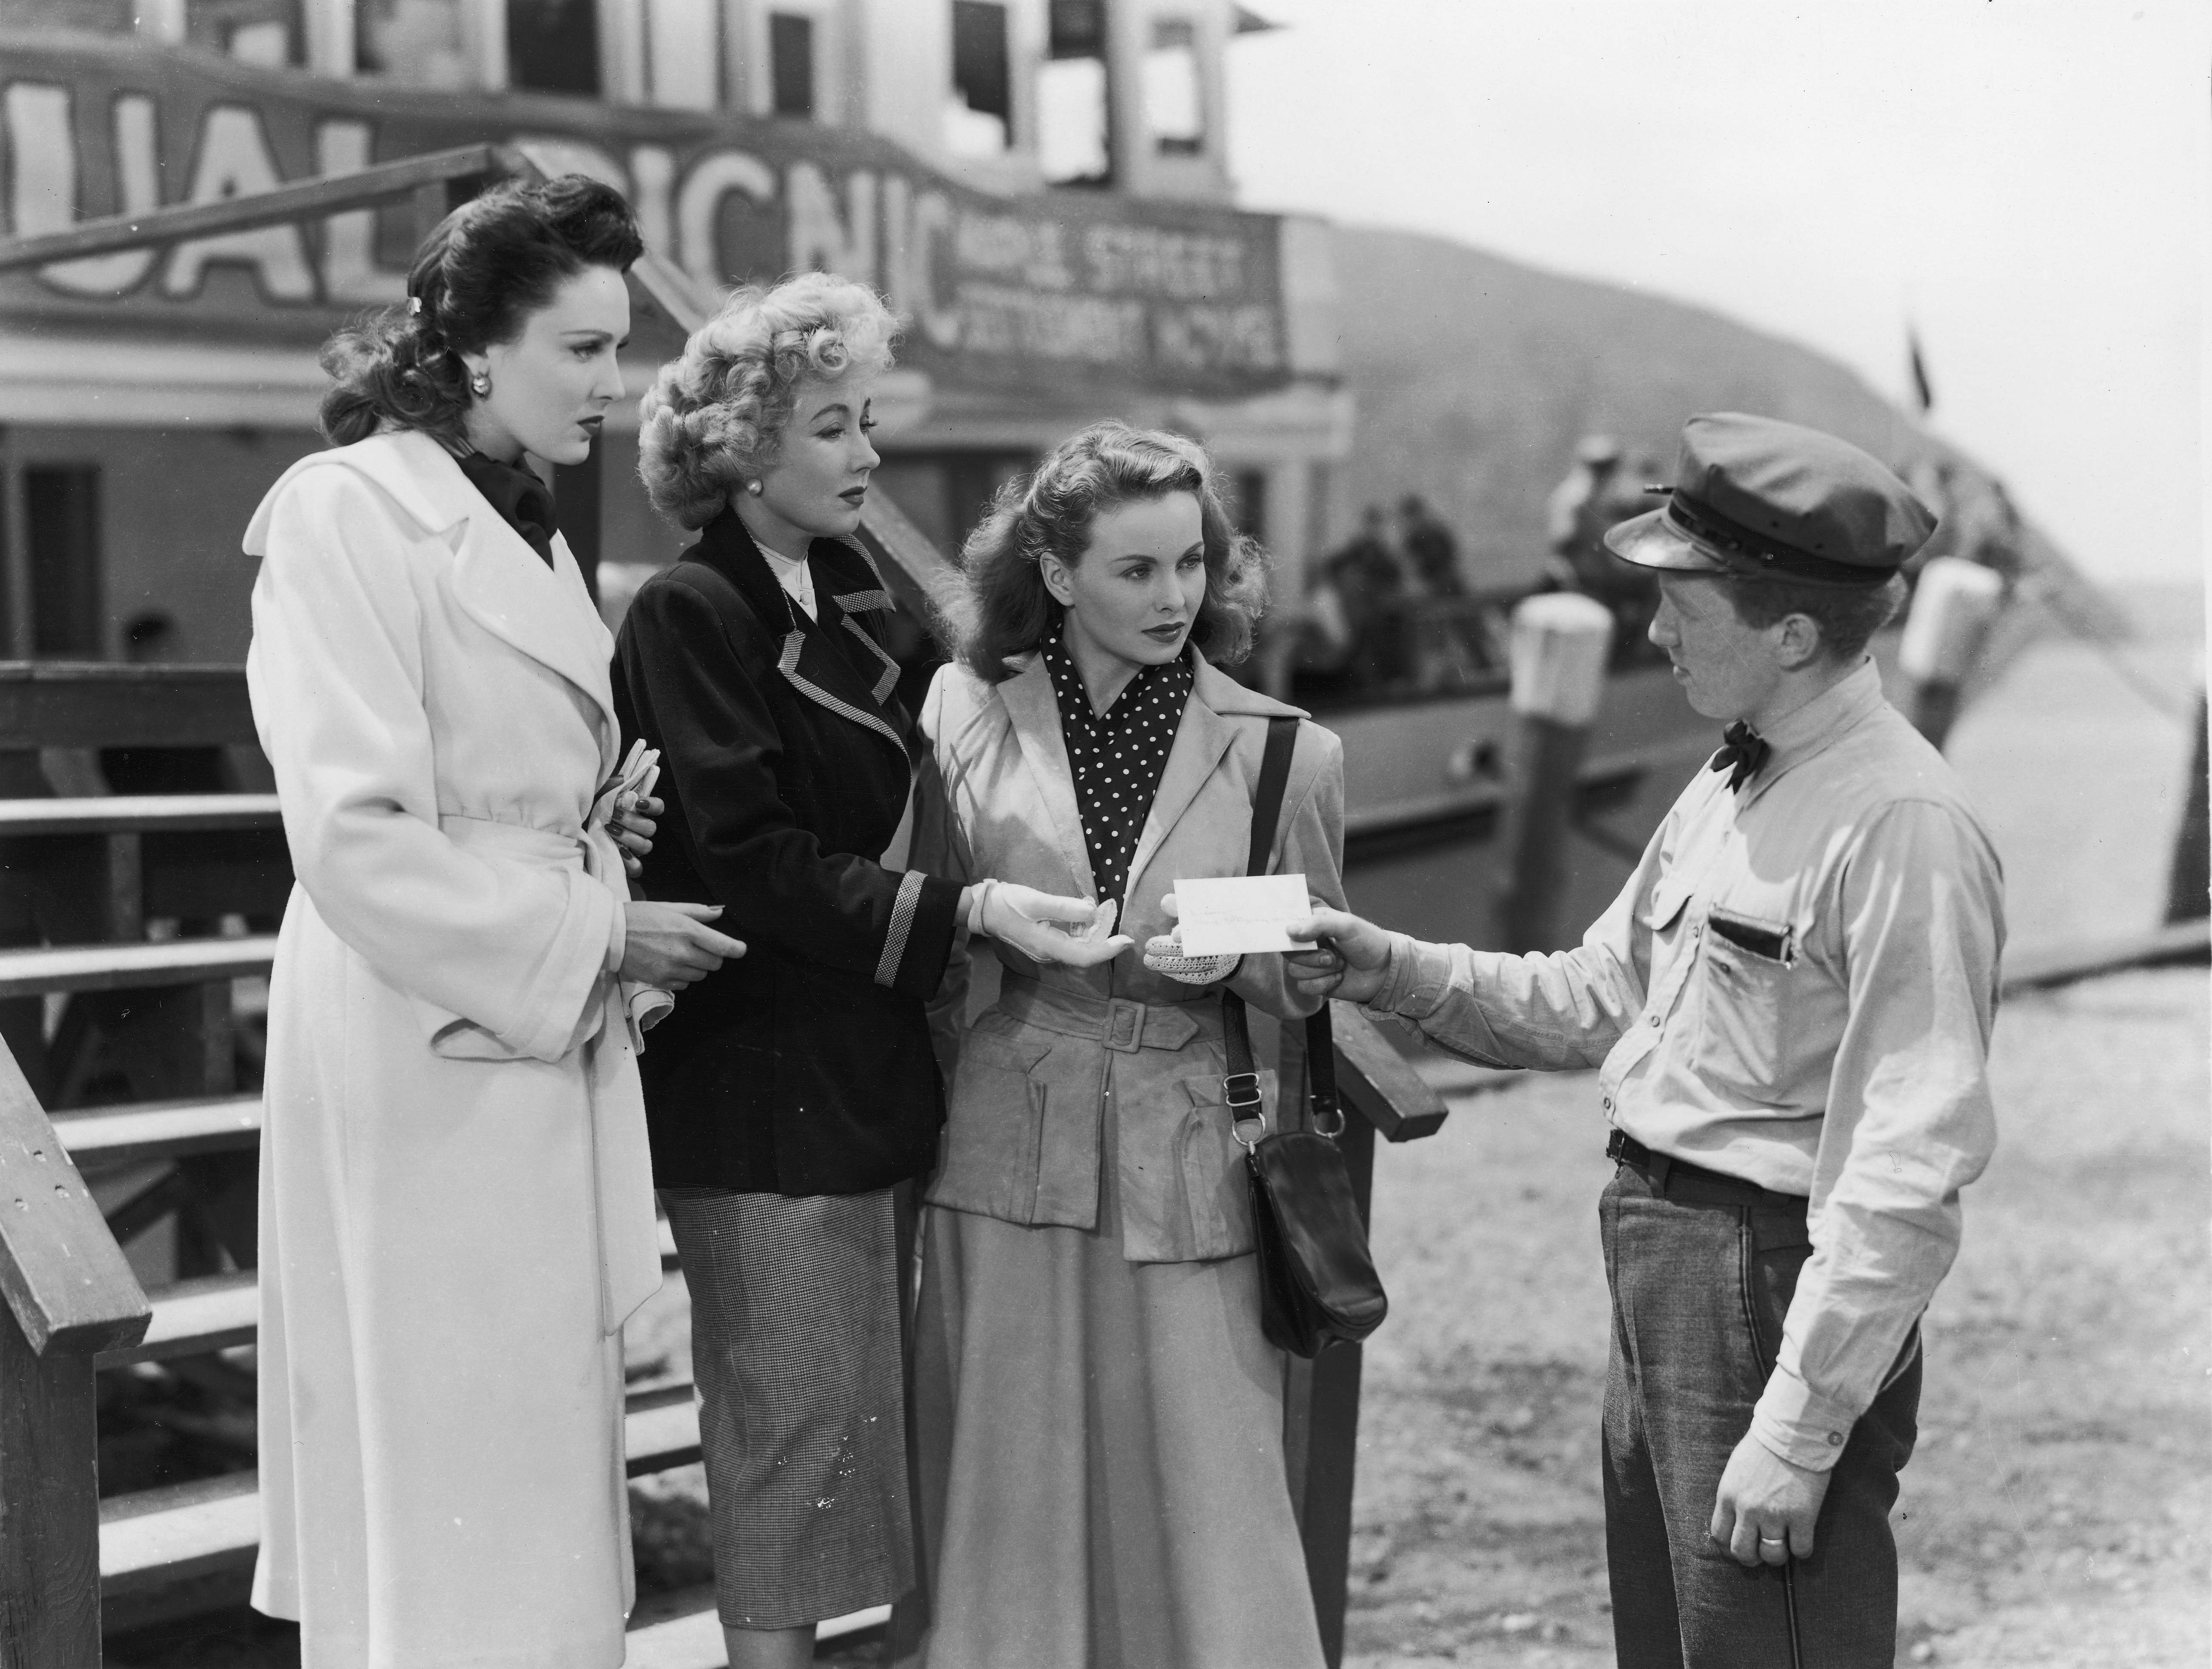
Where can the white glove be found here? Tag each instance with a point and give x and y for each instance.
(1074, 932)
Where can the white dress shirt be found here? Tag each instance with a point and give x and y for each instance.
(793, 575)
(1850, 1069)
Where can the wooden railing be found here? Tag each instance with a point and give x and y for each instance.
(76, 1310)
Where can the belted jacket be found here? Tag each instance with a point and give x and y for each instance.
(803, 1067)
(1031, 1075)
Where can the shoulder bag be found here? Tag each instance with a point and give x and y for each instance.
(1318, 1282)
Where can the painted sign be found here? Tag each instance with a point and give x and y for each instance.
(999, 291)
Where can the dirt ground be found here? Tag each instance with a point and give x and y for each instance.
(2056, 1511)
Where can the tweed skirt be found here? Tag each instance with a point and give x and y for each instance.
(795, 1348)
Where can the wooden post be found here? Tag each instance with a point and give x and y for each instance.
(70, 1297)
(2189, 884)
(1951, 607)
(1558, 654)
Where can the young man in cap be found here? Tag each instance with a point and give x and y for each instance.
(1789, 1004)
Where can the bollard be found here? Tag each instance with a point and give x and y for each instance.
(2189, 882)
(1557, 655)
(1952, 608)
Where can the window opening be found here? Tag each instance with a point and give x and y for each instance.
(553, 46)
(424, 43)
(271, 33)
(791, 63)
(1073, 112)
(1175, 105)
(61, 525)
(979, 115)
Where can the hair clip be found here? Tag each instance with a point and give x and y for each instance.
(414, 306)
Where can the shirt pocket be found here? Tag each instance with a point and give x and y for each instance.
(994, 1129)
(1748, 978)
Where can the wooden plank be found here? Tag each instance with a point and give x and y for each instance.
(661, 1429)
(194, 1317)
(310, 199)
(2176, 942)
(159, 1130)
(681, 1631)
(157, 1537)
(49, 1508)
(63, 1275)
(139, 813)
(95, 704)
(1376, 1081)
(133, 966)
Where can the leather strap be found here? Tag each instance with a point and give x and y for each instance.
(1242, 1083)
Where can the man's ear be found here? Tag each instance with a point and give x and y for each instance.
(1796, 641)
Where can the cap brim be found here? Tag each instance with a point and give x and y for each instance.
(1654, 540)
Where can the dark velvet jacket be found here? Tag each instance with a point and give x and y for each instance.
(805, 1066)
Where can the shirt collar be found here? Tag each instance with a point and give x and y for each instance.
(1817, 726)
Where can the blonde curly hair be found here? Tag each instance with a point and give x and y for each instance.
(714, 417)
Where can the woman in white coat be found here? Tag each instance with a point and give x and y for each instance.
(456, 1198)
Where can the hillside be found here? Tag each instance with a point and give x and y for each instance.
(1475, 376)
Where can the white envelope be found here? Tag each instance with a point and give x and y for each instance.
(1233, 915)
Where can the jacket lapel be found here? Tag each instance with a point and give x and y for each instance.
(806, 658)
(1035, 717)
(1202, 741)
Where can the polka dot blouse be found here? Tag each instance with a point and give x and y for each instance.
(1118, 755)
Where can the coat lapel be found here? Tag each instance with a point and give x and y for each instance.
(498, 580)
(1035, 717)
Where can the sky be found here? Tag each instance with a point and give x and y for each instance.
(2027, 183)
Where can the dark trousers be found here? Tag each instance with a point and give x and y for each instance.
(1702, 1272)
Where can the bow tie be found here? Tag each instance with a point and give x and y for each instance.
(1742, 749)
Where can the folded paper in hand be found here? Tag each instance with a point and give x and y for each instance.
(644, 1006)
(1236, 915)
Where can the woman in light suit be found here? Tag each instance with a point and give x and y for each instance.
(456, 1202)
(1099, 1420)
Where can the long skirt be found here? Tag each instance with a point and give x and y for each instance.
(795, 1348)
(1100, 1458)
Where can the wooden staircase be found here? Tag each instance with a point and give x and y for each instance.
(80, 1182)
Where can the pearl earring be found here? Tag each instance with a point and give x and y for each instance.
(754, 487)
(480, 383)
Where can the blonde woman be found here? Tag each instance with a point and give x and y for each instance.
(789, 1094)
(1099, 1420)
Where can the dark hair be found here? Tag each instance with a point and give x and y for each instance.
(480, 273)
(1008, 610)
(1848, 616)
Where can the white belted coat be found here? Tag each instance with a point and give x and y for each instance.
(456, 1199)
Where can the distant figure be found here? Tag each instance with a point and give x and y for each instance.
(1371, 583)
(1430, 550)
(1602, 490)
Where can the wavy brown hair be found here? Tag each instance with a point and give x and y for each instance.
(1006, 612)
(478, 276)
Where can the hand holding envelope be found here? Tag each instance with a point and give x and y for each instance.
(1219, 920)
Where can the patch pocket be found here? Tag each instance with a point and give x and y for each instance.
(1745, 1004)
(1210, 1162)
(994, 1127)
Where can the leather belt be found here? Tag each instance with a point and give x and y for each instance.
(1679, 1178)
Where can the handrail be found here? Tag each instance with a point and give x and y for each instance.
(327, 194)
(62, 1273)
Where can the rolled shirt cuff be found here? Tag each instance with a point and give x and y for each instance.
(1415, 980)
(1801, 1425)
